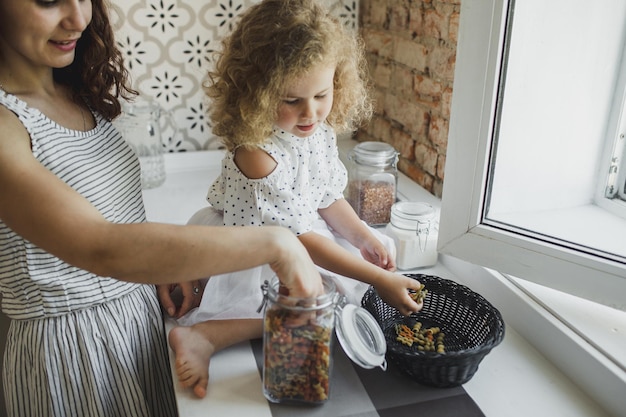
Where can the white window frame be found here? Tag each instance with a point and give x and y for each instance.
(464, 235)
(472, 114)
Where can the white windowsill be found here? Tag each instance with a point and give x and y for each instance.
(586, 223)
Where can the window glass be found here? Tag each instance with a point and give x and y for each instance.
(552, 123)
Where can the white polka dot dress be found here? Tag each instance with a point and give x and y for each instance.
(309, 176)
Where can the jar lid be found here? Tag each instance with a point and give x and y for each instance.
(410, 210)
(407, 214)
(140, 106)
(271, 291)
(361, 337)
(374, 153)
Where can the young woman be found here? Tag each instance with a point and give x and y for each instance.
(86, 336)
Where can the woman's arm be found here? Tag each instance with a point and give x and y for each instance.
(44, 210)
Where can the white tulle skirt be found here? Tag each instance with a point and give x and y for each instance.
(238, 294)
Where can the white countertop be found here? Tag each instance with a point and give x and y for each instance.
(513, 380)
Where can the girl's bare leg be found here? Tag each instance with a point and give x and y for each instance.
(194, 346)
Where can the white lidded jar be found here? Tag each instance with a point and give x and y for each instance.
(414, 228)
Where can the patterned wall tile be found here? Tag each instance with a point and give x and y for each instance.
(168, 46)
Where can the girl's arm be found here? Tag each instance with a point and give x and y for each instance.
(44, 210)
(343, 219)
(391, 287)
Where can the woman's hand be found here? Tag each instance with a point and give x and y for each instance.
(179, 299)
(295, 270)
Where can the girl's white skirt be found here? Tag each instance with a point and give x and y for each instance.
(238, 294)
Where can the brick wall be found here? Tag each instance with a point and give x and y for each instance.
(411, 48)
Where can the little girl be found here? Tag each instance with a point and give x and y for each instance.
(288, 79)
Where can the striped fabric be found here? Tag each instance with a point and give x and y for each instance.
(109, 360)
(80, 344)
(99, 165)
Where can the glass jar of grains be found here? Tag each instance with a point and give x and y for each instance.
(372, 179)
(297, 336)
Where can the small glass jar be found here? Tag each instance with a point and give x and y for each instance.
(415, 230)
(140, 125)
(372, 180)
(297, 342)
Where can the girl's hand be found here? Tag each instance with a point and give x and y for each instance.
(179, 299)
(343, 220)
(373, 251)
(393, 289)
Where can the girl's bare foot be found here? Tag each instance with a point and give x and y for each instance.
(193, 351)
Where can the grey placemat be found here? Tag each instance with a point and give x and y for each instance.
(358, 392)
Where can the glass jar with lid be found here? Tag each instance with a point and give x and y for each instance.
(414, 228)
(140, 125)
(372, 180)
(297, 342)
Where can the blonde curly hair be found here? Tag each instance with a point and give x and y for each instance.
(275, 43)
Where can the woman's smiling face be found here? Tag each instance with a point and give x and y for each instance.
(42, 32)
(307, 102)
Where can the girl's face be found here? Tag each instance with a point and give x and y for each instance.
(307, 102)
(42, 32)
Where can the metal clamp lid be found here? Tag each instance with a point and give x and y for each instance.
(374, 154)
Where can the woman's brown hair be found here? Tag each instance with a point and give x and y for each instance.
(98, 75)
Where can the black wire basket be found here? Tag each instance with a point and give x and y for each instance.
(472, 327)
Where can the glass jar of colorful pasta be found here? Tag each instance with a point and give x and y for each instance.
(298, 339)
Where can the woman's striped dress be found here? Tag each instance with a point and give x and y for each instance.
(80, 344)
